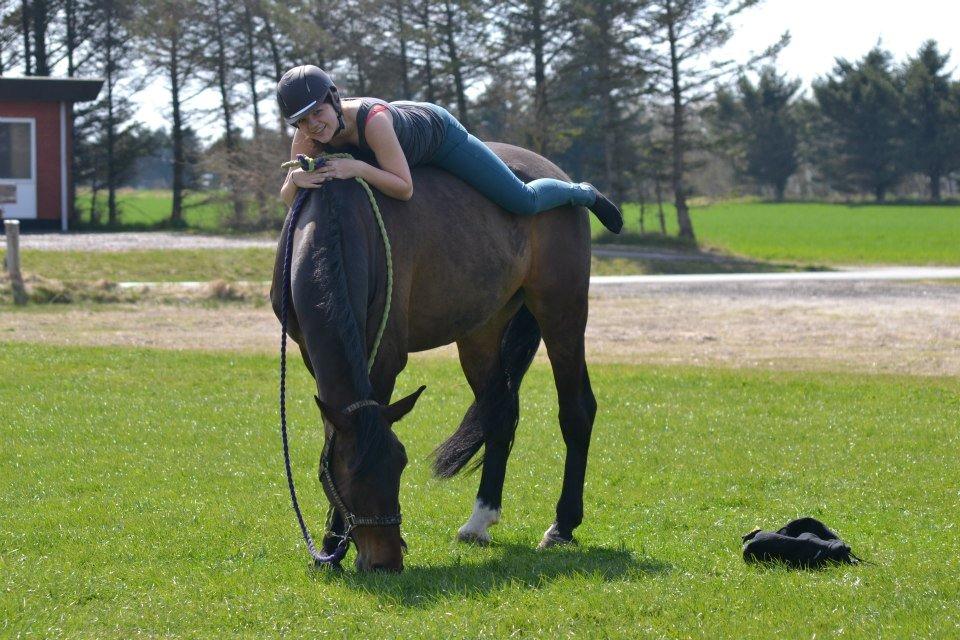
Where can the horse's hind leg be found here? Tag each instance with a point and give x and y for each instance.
(563, 320)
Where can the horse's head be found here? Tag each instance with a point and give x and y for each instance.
(364, 460)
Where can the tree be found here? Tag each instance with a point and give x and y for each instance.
(541, 31)
(168, 33)
(863, 110)
(606, 79)
(113, 44)
(932, 116)
(10, 20)
(423, 46)
(758, 128)
(682, 33)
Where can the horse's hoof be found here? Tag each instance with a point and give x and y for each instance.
(479, 538)
(553, 538)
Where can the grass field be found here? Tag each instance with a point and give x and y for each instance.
(168, 265)
(232, 265)
(821, 233)
(803, 232)
(150, 208)
(144, 496)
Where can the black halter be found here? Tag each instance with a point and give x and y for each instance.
(351, 519)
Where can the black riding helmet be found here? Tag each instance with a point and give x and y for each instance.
(303, 88)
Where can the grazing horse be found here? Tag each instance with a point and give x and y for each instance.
(465, 271)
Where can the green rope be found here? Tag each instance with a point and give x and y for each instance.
(312, 164)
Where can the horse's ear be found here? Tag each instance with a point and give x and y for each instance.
(396, 411)
(337, 418)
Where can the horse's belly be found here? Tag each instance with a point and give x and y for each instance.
(438, 317)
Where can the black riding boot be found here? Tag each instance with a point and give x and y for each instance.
(606, 211)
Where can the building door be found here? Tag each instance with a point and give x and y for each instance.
(18, 168)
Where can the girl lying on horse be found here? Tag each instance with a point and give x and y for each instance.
(405, 134)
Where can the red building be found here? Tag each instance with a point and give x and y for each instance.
(36, 145)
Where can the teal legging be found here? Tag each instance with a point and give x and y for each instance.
(469, 159)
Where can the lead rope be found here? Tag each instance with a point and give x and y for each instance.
(340, 551)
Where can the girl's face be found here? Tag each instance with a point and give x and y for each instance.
(320, 123)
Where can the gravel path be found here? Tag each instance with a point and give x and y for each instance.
(877, 327)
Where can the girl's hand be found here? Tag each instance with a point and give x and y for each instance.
(340, 169)
(306, 180)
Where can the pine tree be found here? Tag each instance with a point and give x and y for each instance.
(863, 110)
(759, 129)
(931, 116)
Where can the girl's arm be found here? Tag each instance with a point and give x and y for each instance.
(393, 176)
(297, 177)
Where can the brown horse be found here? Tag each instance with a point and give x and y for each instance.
(465, 271)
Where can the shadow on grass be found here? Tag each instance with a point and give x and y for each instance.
(422, 586)
(654, 254)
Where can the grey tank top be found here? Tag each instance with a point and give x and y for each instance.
(418, 125)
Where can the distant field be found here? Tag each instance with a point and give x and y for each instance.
(144, 496)
(819, 233)
(144, 208)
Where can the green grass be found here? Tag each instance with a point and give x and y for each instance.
(168, 265)
(144, 496)
(802, 232)
(150, 208)
(821, 233)
(256, 265)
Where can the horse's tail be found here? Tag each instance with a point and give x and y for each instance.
(495, 412)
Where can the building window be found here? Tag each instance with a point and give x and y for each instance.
(16, 151)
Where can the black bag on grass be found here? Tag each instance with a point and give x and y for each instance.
(805, 542)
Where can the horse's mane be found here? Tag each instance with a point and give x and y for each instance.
(330, 203)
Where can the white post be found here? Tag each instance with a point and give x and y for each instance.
(12, 229)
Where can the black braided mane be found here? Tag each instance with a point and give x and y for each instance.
(328, 205)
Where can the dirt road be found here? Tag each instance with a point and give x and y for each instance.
(849, 326)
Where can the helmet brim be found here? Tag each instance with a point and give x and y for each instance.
(294, 118)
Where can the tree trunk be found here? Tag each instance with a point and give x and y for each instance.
(25, 30)
(935, 185)
(658, 186)
(539, 79)
(780, 189)
(94, 212)
(425, 33)
(111, 119)
(643, 211)
(428, 50)
(609, 106)
(404, 64)
(176, 212)
(39, 12)
(222, 76)
(677, 125)
(70, 12)
(456, 66)
(251, 66)
(277, 64)
(227, 108)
